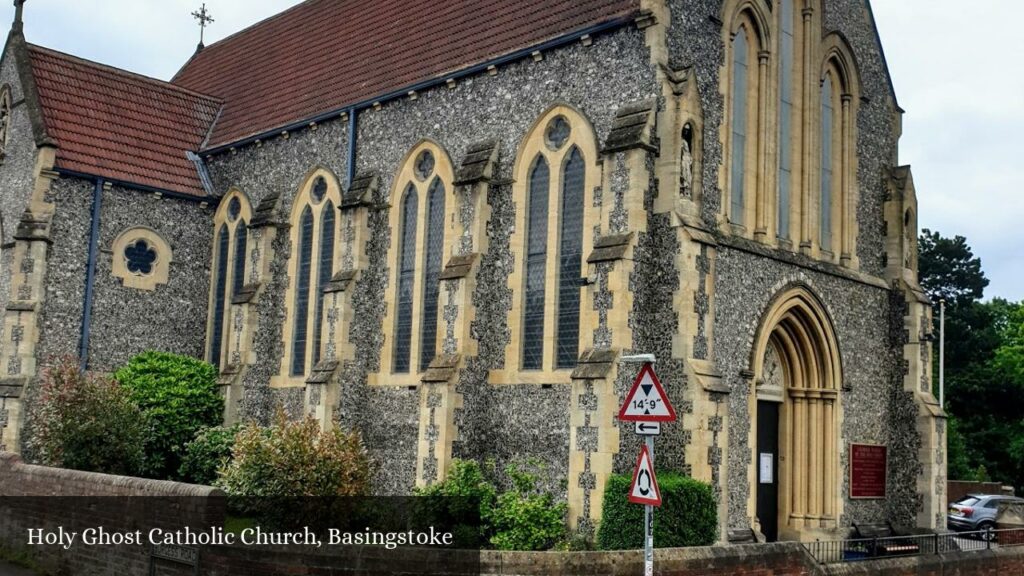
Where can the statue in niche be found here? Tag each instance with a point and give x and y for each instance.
(686, 163)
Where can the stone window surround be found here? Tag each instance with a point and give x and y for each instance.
(407, 176)
(284, 379)
(584, 138)
(5, 112)
(222, 217)
(761, 215)
(160, 267)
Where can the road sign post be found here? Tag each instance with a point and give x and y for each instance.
(647, 406)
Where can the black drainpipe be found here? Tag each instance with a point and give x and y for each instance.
(90, 274)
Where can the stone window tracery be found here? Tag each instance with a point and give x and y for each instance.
(141, 258)
(314, 228)
(230, 254)
(421, 218)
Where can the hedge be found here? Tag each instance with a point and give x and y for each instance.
(687, 516)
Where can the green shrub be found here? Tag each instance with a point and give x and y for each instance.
(463, 501)
(87, 422)
(526, 518)
(206, 454)
(688, 515)
(293, 462)
(178, 396)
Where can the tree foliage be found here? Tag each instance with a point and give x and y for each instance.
(87, 422)
(984, 364)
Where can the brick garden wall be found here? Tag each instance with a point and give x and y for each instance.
(957, 489)
(172, 504)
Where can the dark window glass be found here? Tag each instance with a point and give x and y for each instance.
(305, 253)
(558, 132)
(139, 257)
(536, 261)
(325, 270)
(570, 256)
(785, 116)
(826, 163)
(432, 273)
(234, 209)
(424, 165)
(220, 283)
(238, 275)
(319, 189)
(738, 146)
(406, 282)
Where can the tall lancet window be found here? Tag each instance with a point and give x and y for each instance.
(421, 217)
(827, 160)
(786, 59)
(314, 230)
(738, 143)
(230, 252)
(555, 175)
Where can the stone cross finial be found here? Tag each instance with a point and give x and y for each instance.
(204, 18)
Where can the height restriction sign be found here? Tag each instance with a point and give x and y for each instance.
(646, 400)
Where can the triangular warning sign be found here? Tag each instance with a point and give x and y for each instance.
(646, 400)
(644, 489)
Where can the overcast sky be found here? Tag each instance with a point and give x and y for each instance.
(957, 68)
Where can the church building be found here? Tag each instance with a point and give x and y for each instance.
(443, 223)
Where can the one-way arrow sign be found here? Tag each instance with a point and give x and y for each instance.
(644, 489)
(646, 400)
(647, 428)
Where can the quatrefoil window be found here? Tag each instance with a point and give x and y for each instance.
(319, 189)
(234, 209)
(557, 132)
(139, 258)
(424, 165)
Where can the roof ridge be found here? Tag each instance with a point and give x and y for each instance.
(245, 30)
(122, 72)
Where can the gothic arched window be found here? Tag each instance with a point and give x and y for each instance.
(740, 126)
(5, 119)
(555, 176)
(314, 228)
(421, 217)
(837, 223)
(828, 161)
(786, 108)
(229, 258)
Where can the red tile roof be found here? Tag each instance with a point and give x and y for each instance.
(114, 124)
(323, 55)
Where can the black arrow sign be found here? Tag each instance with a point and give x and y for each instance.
(644, 426)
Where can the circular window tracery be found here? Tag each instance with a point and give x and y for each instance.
(319, 189)
(234, 209)
(139, 258)
(424, 165)
(557, 132)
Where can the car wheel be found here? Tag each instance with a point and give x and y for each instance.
(987, 534)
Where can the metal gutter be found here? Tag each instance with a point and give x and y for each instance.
(142, 187)
(557, 42)
(90, 274)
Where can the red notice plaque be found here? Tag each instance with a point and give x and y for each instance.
(867, 471)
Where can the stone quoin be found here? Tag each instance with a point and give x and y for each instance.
(448, 243)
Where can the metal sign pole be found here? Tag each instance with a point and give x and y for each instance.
(649, 520)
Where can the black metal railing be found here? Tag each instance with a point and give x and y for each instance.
(860, 549)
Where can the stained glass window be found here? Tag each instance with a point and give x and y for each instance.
(432, 272)
(139, 257)
(220, 284)
(557, 132)
(536, 262)
(738, 145)
(406, 282)
(238, 274)
(301, 319)
(826, 163)
(319, 189)
(570, 257)
(325, 269)
(785, 116)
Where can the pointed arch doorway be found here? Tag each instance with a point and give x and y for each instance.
(795, 413)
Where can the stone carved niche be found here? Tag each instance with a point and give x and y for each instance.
(772, 383)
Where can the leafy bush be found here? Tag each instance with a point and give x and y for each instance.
(463, 501)
(206, 454)
(294, 461)
(525, 518)
(688, 515)
(87, 422)
(178, 396)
